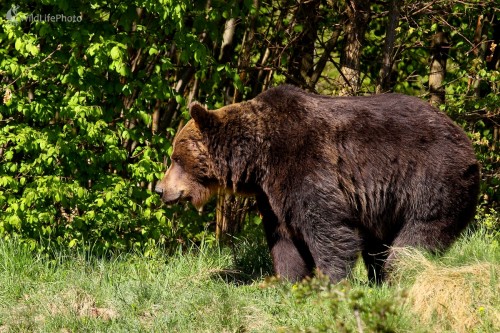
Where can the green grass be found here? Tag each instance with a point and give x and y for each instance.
(209, 289)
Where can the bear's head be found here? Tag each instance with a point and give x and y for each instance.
(191, 175)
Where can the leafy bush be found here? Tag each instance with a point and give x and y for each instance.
(78, 155)
(348, 308)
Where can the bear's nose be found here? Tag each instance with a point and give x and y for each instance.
(158, 190)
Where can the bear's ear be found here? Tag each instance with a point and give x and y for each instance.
(201, 115)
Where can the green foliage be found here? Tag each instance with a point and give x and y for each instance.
(350, 308)
(76, 150)
(489, 224)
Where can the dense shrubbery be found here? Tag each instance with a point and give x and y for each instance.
(90, 108)
(76, 142)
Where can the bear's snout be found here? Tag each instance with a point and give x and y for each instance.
(158, 190)
(169, 195)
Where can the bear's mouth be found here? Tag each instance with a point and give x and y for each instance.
(172, 201)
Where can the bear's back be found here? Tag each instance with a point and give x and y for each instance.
(402, 121)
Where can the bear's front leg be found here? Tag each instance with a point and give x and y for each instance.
(288, 261)
(291, 258)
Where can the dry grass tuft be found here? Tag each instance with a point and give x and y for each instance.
(256, 320)
(80, 303)
(34, 310)
(462, 299)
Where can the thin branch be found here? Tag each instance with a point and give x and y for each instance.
(33, 66)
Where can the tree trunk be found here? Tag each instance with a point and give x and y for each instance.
(230, 214)
(493, 63)
(246, 54)
(300, 64)
(231, 210)
(493, 50)
(388, 55)
(358, 15)
(227, 40)
(480, 49)
(439, 55)
(318, 69)
(155, 126)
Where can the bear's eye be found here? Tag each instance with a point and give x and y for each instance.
(176, 160)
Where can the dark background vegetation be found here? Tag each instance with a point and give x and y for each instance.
(90, 108)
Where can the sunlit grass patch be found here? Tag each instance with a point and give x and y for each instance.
(208, 288)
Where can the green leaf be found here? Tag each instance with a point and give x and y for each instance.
(8, 155)
(32, 49)
(179, 99)
(81, 71)
(14, 68)
(19, 44)
(115, 53)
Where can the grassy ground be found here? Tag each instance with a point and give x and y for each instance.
(220, 290)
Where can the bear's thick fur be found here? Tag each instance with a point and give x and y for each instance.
(332, 176)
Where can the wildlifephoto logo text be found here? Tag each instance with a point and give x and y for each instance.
(33, 17)
(11, 13)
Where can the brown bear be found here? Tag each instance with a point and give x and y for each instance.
(333, 176)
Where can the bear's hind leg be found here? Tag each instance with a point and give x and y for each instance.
(434, 236)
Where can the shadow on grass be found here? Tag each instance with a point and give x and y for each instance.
(251, 262)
